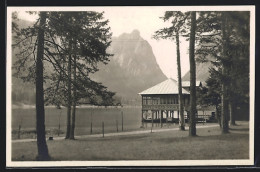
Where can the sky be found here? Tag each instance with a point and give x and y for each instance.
(147, 21)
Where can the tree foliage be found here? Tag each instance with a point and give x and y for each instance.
(229, 53)
(81, 37)
(89, 34)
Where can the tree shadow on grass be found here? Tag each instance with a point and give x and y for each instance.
(132, 137)
(109, 138)
(228, 136)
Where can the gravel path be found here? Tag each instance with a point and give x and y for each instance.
(116, 134)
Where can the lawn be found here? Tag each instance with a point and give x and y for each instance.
(210, 144)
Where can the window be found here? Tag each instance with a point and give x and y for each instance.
(144, 100)
(168, 100)
(163, 100)
(147, 100)
(175, 99)
(155, 100)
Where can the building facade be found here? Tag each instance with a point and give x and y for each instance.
(160, 102)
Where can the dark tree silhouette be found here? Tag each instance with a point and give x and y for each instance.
(40, 114)
(224, 86)
(84, 37)
(57, 40)
(224, 36)
(193, 111)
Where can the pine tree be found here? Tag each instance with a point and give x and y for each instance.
(84, 36)
(210, 94)
(40, 114)
(173, 32)
(225, 37)
(87, 48)
(30, 68)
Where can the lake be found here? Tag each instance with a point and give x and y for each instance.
(26, 117)
(53, 116)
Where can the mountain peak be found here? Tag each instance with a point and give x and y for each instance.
(135, 34)
(133, 67)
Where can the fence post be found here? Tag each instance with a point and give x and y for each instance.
(142, 120)
(103, 128)
(116, 126)
(59, 123)
(20, 126)
(160, 118)
(152, 118)
(59, 130)
(122, 120)
(19, 130)
(91, 122)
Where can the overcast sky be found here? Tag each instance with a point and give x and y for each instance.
(147, 21)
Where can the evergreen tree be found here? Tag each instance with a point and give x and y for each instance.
(173, 32)
(87, 48)
(211, 93)
(40, 114)
(225, 37)
(73, 42)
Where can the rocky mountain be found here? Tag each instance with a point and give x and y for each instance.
(202, 72)
(132, 68)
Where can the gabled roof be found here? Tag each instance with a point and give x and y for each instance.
(169, 86)
(187, 83)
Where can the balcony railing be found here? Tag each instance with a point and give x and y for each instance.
(163, 107)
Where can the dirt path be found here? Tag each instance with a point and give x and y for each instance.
(116, 134)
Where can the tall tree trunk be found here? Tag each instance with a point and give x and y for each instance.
(232, 113)
(218, 115)
(192, 127)
(43, 154)
(232, 104)
(224, 88)
(181, 122)
(69, 98)
(224, 109)
(74, 101)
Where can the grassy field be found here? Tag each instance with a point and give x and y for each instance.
(210, 144)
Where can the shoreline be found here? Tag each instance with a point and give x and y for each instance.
(25, 106)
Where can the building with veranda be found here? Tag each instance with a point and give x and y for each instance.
(160, 103)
